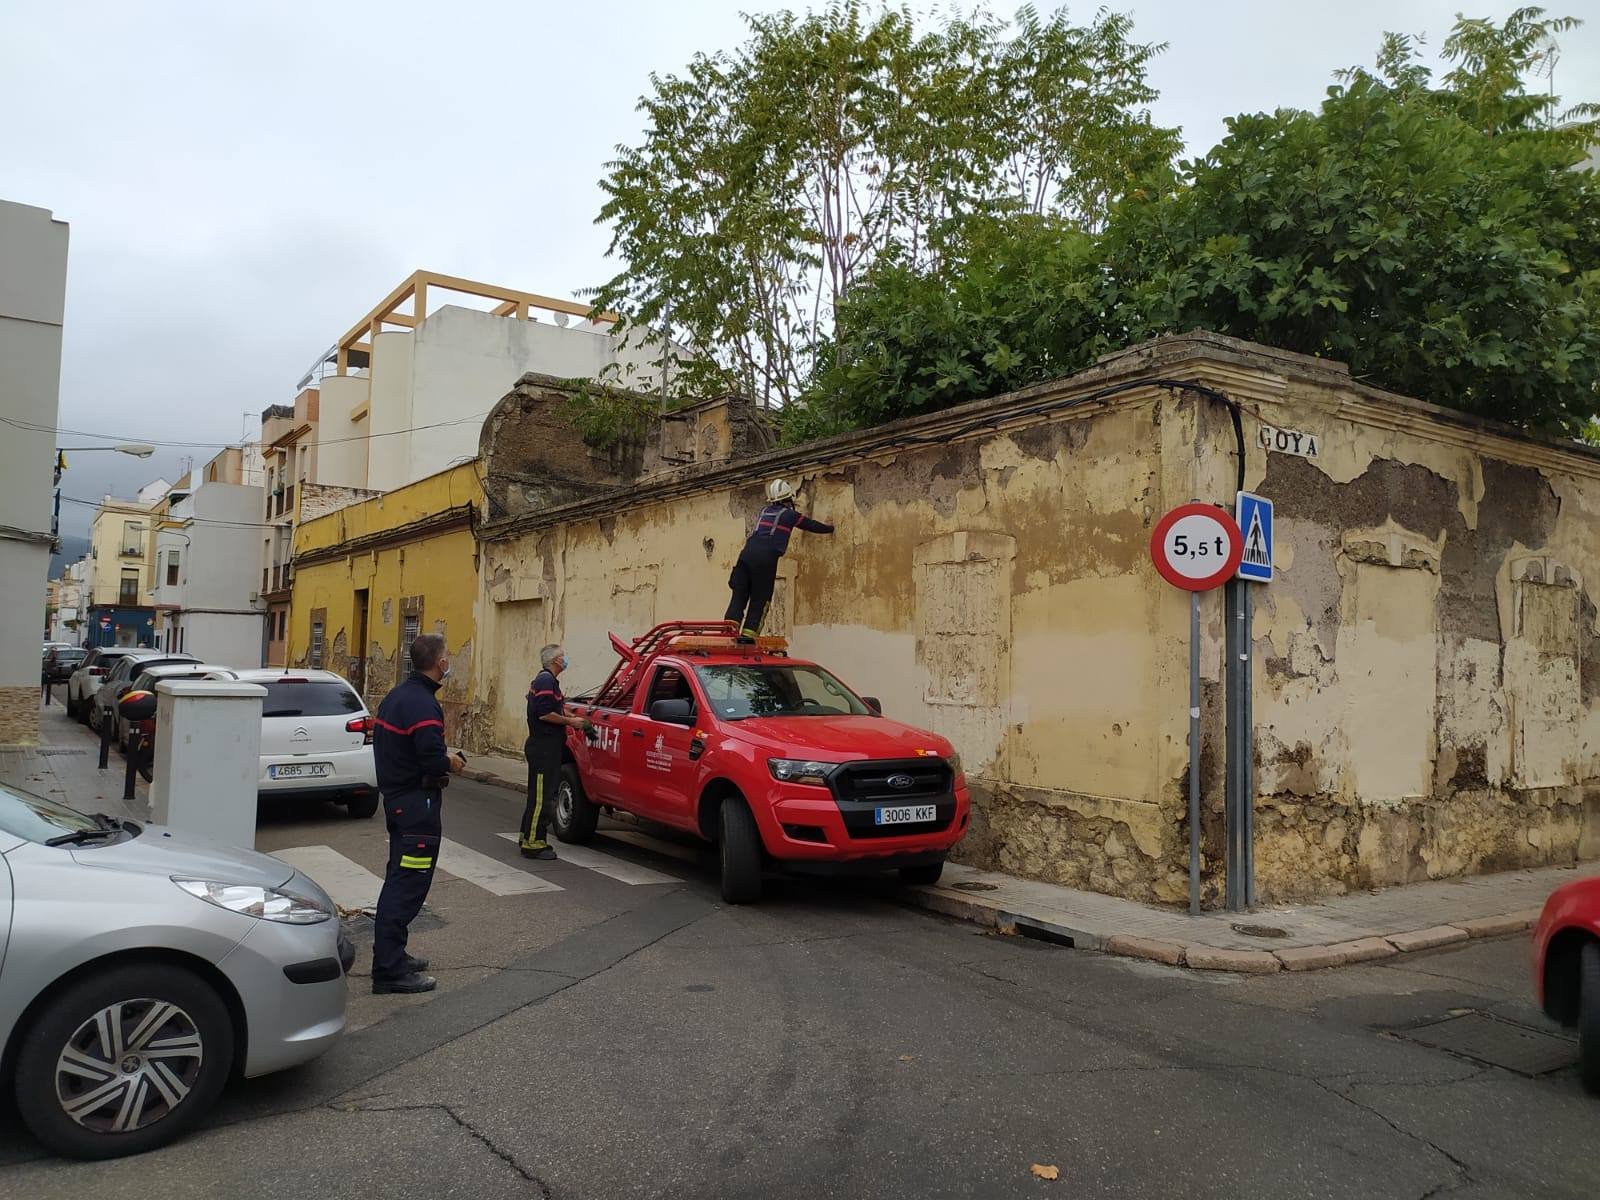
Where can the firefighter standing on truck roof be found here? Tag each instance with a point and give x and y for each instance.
(413, 768)
(547, 733)
(757, 569)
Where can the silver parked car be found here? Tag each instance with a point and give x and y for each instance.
(141, 967)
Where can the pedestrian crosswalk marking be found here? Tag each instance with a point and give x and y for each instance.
(491, 874)
(348, 884)
(644, 841)
(605, 864)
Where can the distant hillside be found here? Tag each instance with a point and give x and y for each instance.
(72, 549)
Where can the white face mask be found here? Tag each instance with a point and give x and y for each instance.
(566, 663)
(446, 673)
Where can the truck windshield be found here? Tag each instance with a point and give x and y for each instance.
(736, 692)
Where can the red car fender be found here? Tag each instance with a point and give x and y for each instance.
(1574, 905)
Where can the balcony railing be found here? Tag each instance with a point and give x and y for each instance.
(128, 597)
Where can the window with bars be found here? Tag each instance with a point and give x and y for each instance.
(316, 645)
(410, 626)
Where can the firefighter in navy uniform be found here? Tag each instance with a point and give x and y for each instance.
(413, 769)
(756, 572)
(548, 723)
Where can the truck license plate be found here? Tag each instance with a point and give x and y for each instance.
(909, 814)
(300, 771)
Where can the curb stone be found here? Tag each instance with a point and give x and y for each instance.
(1248, 962)
(1427, 939)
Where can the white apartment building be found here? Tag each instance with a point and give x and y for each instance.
(69, 602)
(33, 293)
(413, 380)
(205, 559)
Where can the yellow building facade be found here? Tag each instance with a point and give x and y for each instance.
(371, 576)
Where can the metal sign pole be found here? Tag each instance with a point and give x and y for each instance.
(1247, 772)
(1194, 754)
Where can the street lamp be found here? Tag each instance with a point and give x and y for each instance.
(136, 449)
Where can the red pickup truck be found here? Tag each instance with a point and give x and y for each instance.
(768, 756)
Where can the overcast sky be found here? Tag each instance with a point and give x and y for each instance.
(244, 180)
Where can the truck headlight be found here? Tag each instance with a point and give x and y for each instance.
(269, 904)
(799, 770)
(954, 760)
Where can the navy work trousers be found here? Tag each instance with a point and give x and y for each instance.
(414, 830)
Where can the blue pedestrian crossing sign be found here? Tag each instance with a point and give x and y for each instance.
(1254, 514)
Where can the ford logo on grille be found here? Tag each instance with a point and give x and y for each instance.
(900, 782)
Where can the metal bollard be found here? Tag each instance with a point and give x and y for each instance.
(105, 743)
(133, 766)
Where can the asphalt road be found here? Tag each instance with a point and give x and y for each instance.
(613, 1040)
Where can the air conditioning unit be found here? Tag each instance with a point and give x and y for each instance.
(254, 596)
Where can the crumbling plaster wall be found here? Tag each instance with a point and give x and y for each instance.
(1427, 682)
(1425, 674)
(994, 589)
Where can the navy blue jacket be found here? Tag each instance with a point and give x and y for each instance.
(408, 738)
(776, 523)
(544, 696)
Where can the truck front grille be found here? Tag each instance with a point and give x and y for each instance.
(861, 788)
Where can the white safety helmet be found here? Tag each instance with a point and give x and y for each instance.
(779, 489)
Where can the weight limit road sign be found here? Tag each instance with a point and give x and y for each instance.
(1196, 547)
(1255, 523)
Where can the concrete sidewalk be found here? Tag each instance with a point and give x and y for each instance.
(1336, 932)
(63, 767)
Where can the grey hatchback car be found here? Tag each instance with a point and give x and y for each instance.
(141, 967)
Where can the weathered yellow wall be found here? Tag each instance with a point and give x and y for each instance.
(1427, 665)
(995, 590)
(429, 572)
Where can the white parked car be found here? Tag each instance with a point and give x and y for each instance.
(316, 739)
(143, 967)
(92, 672)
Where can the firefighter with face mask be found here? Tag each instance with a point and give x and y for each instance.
(757, 569)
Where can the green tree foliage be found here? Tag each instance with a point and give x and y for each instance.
(1434, 237)
(1018, 299)
(773, 177)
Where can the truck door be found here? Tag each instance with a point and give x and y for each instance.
(658, 772)
(601, 759)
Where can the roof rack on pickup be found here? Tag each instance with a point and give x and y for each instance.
(682, 637)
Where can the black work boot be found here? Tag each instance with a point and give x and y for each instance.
(405, 985)
(415, 965)
(543, 853)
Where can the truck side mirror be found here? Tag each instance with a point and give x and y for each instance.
(673, 712)
(874, 704)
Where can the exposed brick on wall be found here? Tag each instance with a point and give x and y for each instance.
(19, 716)
(320, 499)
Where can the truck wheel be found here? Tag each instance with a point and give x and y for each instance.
(924, 876)
(741, 853)
(1589, 1016)
(575, 816)
(124, 1061)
